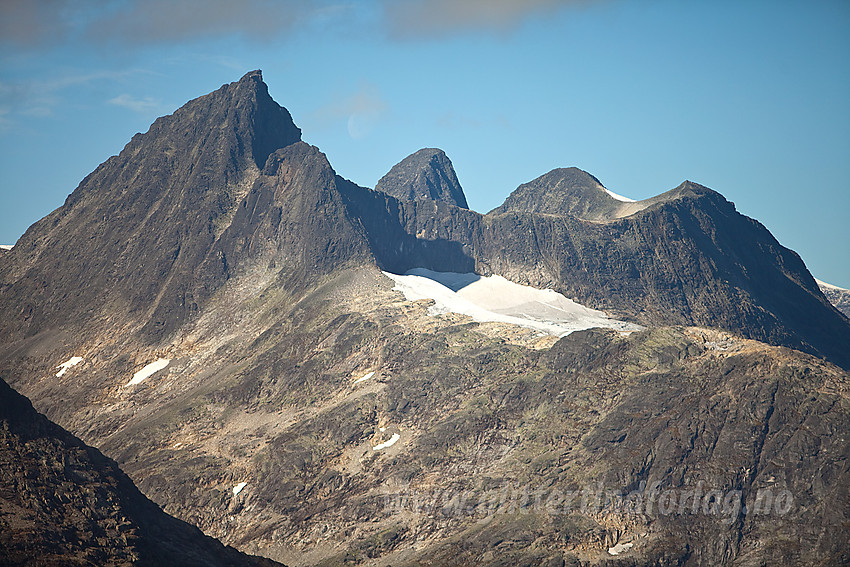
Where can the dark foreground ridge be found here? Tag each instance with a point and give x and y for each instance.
(64, 503)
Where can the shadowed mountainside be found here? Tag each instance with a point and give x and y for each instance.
(131, 237)
(64, 503)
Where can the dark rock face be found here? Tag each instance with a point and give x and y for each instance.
(132, 236)
(64, 503)
(426, 175)
(295, 220)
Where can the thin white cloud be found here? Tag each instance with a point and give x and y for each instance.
(144, 105)
(130, 23)
(40, 97)
(437, 18)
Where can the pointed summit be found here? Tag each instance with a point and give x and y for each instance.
(425, 175)
(271, 124)
(148, 217)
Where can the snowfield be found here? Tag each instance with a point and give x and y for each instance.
(73, 361)
(364, 378)
(148, 371)
(6, 246)
(387, 444)
(496, 299)
(238, 488)
(619, 548)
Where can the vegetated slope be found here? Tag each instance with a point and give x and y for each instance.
(64, 503)
(294, 397)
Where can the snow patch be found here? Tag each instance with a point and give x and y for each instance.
(496, 299)
(148, 371)
(73, 361)
(6, 246)
(828, 285)
(620, 197)
(238, 488)
(364, 378)
(619, 548)
(387, 444)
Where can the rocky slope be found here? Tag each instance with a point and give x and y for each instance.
(301, 409)
(425, 175)
(64, 503)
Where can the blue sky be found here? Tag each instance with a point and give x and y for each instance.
(749, 98)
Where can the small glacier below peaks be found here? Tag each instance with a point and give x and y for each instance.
(495, 299)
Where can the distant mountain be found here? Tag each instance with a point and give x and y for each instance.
(64, 503)
(425, 175)
(839, 297)
(685, 257)
(209, 309)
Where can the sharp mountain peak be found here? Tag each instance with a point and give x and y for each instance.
(427, 174)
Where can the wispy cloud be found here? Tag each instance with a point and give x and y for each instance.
(130, 23)
(40, 97)
(436, 18)
(29, 23)
(144, 105)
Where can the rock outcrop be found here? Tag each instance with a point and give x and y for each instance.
(132, 237)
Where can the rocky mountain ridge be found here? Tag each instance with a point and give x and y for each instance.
(293, 369)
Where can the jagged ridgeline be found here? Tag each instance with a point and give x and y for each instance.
(225, 183)
(208, 309)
